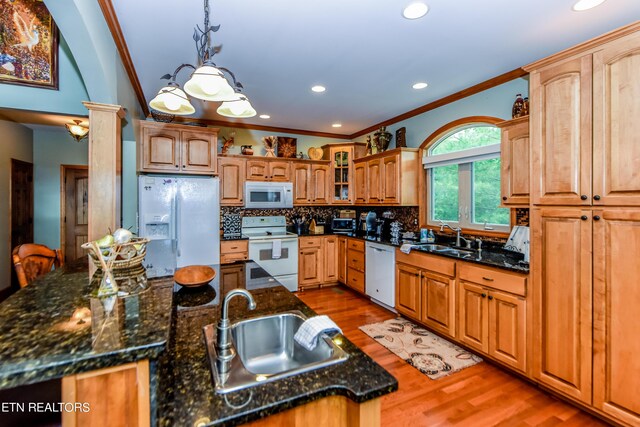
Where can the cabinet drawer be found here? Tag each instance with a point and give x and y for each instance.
(357, 245)
(228, 258)
(492, 278)
(355, 279)
(310, 242)
(435, 263)
(234, 246)
(355, 260)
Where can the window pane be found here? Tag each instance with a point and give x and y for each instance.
(477, 136)
(486, 193)
(444, 190)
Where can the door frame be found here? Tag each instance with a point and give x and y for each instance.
(63, 202)
(11, 186)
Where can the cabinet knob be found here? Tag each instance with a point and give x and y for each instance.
(596, 217)
(177, 166)
(584, 197)
(596, 197)
(584, 217)
(416, 274)
(490, 297)
(483, 295)
(504, 197)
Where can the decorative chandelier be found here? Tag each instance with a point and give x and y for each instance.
(77, 131)
(207, 82)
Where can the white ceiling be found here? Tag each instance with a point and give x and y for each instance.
(363, 51)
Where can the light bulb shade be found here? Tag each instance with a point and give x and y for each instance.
(240, 108)
(208, 83)
(172, 100)
(77, 131)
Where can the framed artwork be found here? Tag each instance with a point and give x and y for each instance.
(401, 139)
(287, 147)
(28, 44)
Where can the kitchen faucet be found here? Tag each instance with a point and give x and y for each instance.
(223, 342)
(457, 230)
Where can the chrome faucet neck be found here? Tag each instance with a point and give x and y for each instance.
(223, 342)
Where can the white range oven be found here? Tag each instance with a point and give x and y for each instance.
(273, 248)
(268, 195)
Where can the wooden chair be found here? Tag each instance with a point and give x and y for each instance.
(32, 260)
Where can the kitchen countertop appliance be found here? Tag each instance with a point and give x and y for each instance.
(380, 274)
(268, 195)
(180, 216)
(343, 225)
(273, 248)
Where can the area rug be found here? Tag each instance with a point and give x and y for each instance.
(433, 356)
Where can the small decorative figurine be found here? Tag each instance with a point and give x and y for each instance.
(516, 110)
(401, 139)
(270, 145)
(246, 150)
(227, 143)
(369, 147)
(382, 138)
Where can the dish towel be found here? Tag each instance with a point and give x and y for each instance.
(406, 248)
(308, 334)
(276, 250)
(519, 241)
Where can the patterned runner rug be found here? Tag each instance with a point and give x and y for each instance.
(433, 356)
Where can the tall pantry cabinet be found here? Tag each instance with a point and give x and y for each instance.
(585, 222)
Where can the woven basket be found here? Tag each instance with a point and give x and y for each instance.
(135, 259)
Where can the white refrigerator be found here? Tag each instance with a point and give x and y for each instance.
(181, 217)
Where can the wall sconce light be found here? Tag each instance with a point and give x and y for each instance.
(77, 131)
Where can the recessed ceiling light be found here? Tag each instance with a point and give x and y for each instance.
(420, 85)
(318, 88)
(265, 116)
(415, 10)
(586, 4)
(337, 125)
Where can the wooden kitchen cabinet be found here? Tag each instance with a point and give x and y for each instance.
(232, 276)
(268, 170)
(408, 290)
(388, 178)
(356, 265)
(317, 261)
(341, 180)
(233, 250)
(311, 184)
(439, 302)
(232, 175)
(391, 179)
(301, 184)
(170, 148)
(310, 261)
(474, 325)
(360, 195)
(330, 274)
(514, 162)
(562, 299)
(342, 260)
(320, 184)
(374, 182)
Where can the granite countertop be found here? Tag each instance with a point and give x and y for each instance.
(492, 255)
(186, 394)
(55, 327)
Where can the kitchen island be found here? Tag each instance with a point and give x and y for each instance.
(54, 328)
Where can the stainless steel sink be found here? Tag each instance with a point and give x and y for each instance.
(432, 247)
(266, 351)
(448, 250)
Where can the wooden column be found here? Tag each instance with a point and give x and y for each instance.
(105, 168)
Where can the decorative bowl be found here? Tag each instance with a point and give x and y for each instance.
(194, 276)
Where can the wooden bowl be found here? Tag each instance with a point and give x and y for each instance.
(194, 276)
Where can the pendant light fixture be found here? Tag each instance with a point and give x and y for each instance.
(208, 81)
(77, 131)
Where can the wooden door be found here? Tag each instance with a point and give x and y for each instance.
(374, 181)
(408, 292)
(257, 170)
(301, 184)
(160, 149)
(473, 328)
(21, 209)
(279, 171)
(342, 260)
(561, 133)
(232, 172)
(330, 259)
(320, 184)
(198, 152)
(310, 266)
(439, 302)
(507, 329)
(562, 317)
(616, 367)
(75, 213)
(616, 128)
(391, 179)
(360, 182)
(514, 161)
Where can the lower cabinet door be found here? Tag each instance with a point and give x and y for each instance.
(309, 267)
(473, 329)
(342, 260)
(507, 339)
(438, 302)
(330, 259)
(408, 295)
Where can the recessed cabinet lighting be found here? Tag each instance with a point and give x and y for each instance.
(415, 10)
(337, 125)
(420, 85)
(318, 88)
(265, 116)
(586, 4)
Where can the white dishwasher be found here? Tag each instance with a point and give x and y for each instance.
(380, 267)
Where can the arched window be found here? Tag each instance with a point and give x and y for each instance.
(463, 179)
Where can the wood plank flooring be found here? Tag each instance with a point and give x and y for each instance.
(482, 395)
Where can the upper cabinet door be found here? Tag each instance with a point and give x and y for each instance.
(391, 179)
(616, 126)
(561, 132)
(231, 171)
(160, 149)
(514, 160)
(198, 152)
(257, 170)
(374, 181)
(360, 184)
(279, 171)
(301, 184)
(320, 184)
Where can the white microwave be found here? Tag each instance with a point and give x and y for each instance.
(268, 195)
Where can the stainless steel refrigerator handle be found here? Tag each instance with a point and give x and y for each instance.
(177, 220)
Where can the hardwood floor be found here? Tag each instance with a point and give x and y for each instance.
(482, 395)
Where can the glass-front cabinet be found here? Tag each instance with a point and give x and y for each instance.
(341, 157)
